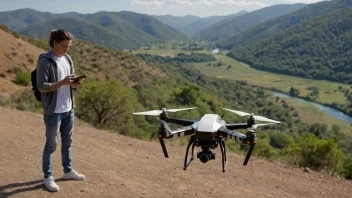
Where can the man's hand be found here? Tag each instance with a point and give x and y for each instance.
(67, 80)
(75, 85)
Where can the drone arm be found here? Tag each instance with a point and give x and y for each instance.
(225, 132)
(182, 131)
(237, 126)
(188, 130)
(179, 121)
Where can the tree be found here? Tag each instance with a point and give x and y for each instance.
(294, 92)
(189, 95)
(315, 93)
(105, 103)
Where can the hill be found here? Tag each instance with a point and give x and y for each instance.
(127, 29)
(175, 21)
(152, 82)
(318, 48)
(206, 22)
(111, 21)
(192, 24)
(152, 26)
(18, 19)
(82, 30)
(286, 21)
(15, 55)
(116, 165)
(229, 27)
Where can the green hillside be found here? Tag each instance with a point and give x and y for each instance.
(152, 26)
(134, 26)
(18, 19)
(133, 29)
(111, 21)
(277, 24)
(175, 21)
(82, 30)
(319, 48)
(206, 22)
(227, 28)
(192, 24)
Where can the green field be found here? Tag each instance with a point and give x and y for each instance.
(310, 114)
(328, 91)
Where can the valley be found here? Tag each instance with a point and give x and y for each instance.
(139, 62)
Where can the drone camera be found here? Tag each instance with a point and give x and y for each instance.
(205, 155)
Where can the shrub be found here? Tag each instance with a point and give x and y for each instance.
(16, 35)
(280, 140)
(347, 167)
(4, 101)
(263, 149)
(23, 78)
(5, 28)
(26, 101)
(318, 154)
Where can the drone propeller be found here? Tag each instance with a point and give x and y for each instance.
(258, 125)
(259, 118)
(158, 112)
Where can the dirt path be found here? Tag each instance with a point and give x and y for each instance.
(119, 166)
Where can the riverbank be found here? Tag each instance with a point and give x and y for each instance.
(331, 111)
(333, 106)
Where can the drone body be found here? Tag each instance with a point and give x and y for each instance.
(208, 132)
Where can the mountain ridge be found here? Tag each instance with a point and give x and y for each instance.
(228, 27)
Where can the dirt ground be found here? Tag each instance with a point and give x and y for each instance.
(119, 166)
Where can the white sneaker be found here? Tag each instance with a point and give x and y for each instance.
(50, 184)
(73, 175)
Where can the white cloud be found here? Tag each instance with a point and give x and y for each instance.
(160, 3)
(237, 3)
(182, 2)
(157, 3)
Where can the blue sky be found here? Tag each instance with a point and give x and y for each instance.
(200, 8)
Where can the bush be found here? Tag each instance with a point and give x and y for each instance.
(280, 140)
(263, 149)
(23, 77)
(16, 35)
(318, 154)
(347, 167)
(4, 101)
(5, 28)
(26, 101)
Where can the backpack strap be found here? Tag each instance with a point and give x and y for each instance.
(68, 58)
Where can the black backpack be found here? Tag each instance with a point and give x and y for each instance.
(35, 89)
(36, 92)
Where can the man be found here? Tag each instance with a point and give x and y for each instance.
(55, 81)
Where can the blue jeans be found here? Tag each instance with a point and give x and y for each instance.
(54, 123)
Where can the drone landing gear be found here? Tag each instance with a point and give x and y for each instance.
(161, 140)
(193, 143)
(205, 154)
(223, 154)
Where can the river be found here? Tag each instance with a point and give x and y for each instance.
(333, 112)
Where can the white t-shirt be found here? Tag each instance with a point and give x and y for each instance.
(63, 101)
